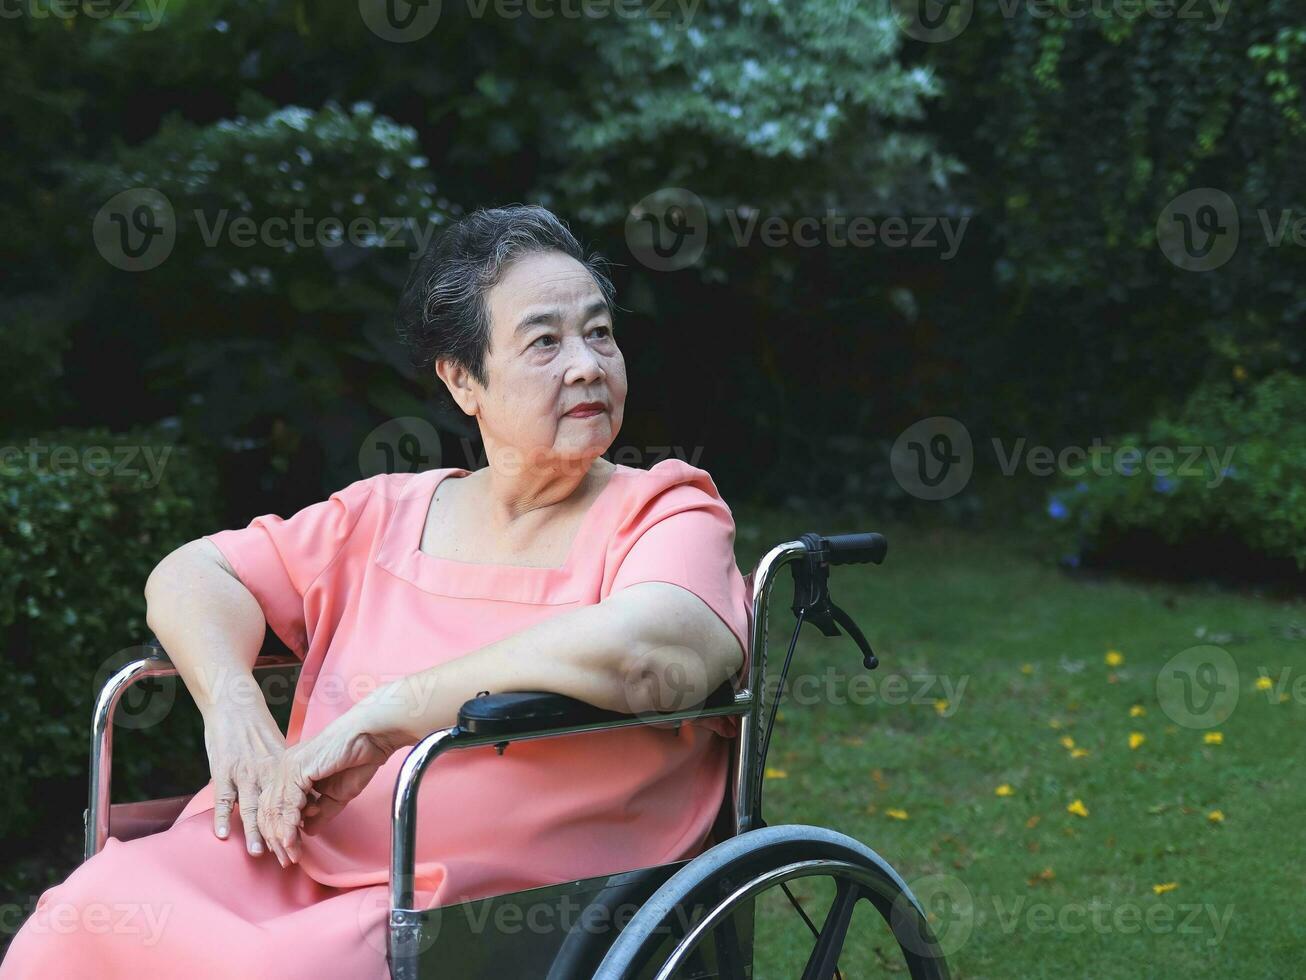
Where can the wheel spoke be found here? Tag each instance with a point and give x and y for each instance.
(829, 944)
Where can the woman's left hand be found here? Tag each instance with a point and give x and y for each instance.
(316, 778)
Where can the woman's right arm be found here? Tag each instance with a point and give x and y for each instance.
(213, 628)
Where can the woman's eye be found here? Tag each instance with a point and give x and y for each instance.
(547, 340)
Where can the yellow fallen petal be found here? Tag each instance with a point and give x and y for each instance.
(1168, 886)
(1078, 808)
(1213, 738)
(896, 814)
(1136, 739)
(1137, 711)
(1027, 668)
(1216, 816)
(1114, 658)
(775, 773)
(1263, 683)
(1003, 790)
(1078, 753)
(1054, 723)
(1067, 741)
(941, 705)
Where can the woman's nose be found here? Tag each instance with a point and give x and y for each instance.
(583, 364)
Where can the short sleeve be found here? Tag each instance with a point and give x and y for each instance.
(680, 531)
(277, 558)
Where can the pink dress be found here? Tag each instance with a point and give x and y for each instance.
(345, 586)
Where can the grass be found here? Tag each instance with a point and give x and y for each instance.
(1145, 884)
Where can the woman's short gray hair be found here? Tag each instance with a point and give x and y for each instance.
(444, 308)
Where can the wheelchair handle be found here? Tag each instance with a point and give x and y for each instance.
(856, 549)
(812, 604)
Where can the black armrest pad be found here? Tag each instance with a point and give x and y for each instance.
(514, 712)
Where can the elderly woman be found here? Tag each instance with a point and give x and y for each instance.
(406, 595)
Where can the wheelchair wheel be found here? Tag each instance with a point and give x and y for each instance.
(696, 911)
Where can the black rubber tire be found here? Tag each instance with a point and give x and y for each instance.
(709, 878)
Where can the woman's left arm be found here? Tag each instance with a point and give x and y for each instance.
(649, 647)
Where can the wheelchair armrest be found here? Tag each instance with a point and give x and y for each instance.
(514, 712)
(155, 663)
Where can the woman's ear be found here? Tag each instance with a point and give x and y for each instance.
(459, 382)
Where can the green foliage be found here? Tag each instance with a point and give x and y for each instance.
(749, 104)
(292, 226)
(285, 201)
(1249, 481)
(1078, 131)
(1281, 65)
(1059, 138)
(84, 517)
(290, 350)
(35, 341)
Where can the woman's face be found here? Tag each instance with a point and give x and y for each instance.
(551, 349)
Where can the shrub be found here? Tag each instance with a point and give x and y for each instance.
(85, 515)
(1247, 488)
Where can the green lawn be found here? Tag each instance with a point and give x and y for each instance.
(1018, 885)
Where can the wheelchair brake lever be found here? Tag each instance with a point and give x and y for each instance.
(812, 593)
(869, 660)
(828, 614)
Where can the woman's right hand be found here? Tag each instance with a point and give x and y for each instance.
(245, 745)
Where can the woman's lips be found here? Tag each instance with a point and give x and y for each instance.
(585, 411)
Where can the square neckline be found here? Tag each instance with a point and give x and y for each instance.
(399, 551)
(428, 498)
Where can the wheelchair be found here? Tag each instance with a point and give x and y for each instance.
(694, 919)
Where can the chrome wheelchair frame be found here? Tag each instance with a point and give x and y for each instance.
(746, 857)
